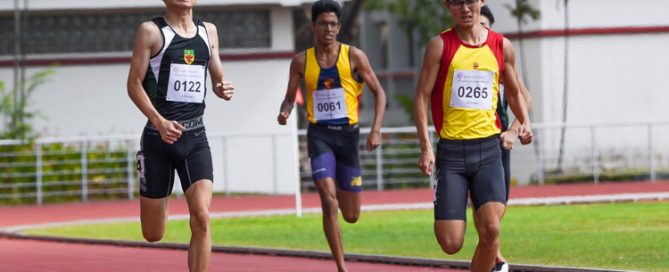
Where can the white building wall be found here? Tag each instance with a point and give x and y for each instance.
(92, 100)
(612, 78)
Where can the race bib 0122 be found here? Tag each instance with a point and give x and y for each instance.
(186, 83)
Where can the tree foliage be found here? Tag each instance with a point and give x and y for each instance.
(523, 11)
(426, 18)
(17, 116)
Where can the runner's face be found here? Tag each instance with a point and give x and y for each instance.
(180, 3)
(325, 28)
(466, 13)
(485, 22)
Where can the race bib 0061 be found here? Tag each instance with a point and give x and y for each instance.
(329, 104)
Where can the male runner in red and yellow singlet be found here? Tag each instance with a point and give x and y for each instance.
(333, 75)
(508, 135)
(462, 68)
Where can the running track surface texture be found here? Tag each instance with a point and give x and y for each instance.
(35, 255)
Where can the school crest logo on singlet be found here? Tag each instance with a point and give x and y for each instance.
(189, 56)
(329, 83)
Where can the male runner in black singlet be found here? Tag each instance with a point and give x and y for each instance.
(166, 82)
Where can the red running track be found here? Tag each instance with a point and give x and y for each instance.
(27, 215)
(29, 255)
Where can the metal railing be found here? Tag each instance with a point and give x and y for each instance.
(591, 154)
(81, 167)
(85, 168)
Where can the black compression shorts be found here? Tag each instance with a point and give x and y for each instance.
(467, 167)
(190, 156)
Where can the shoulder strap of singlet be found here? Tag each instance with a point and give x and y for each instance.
(160, 22)
(496, 44)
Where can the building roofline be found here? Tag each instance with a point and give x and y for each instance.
(101, 59)
(6, 6)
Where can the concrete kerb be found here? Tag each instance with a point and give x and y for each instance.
(11, 233)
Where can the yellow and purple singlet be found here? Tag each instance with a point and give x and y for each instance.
(333, 94)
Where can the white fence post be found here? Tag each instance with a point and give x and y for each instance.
(595, 157)
(224, 158)
(38, 173)
(130, 169)
(296, 150)
(540, 164)
(651, 155)
(84, 171)
(379, 168)
(275, 168)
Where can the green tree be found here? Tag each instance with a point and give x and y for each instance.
(420, 20)
(17, 118)
(350, 19)
(522, 11)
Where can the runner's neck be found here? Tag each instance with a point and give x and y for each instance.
(475, 36)
(327, 55)
(181, 21)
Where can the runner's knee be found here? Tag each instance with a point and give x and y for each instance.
(450, 246)
(152, 236)
(449, 241)
(489, 232)
(199, 222)
(330, 205)
(351, 217)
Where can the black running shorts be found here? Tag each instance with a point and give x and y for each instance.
(467, 167)
(190, 156)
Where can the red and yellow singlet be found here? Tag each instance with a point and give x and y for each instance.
(333, 94)
(464, 98)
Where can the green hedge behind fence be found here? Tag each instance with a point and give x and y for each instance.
(64, 168)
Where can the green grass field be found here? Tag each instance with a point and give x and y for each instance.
(621, 236)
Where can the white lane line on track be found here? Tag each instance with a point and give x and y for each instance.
(562, 200)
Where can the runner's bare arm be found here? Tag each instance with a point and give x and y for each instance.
(510, 135)
(222, 88)
(426, 81)
(296, 70)
(147, 42)
(514, 94)
(364, 69)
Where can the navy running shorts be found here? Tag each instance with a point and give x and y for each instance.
(333, 150)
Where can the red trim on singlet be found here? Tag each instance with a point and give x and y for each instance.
(496, 43)
(451, 44)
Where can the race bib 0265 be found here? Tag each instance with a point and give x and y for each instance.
(472, 89)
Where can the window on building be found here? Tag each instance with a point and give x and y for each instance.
(87, 32)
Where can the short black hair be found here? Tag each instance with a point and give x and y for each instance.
(323, 6)
(485, 11)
